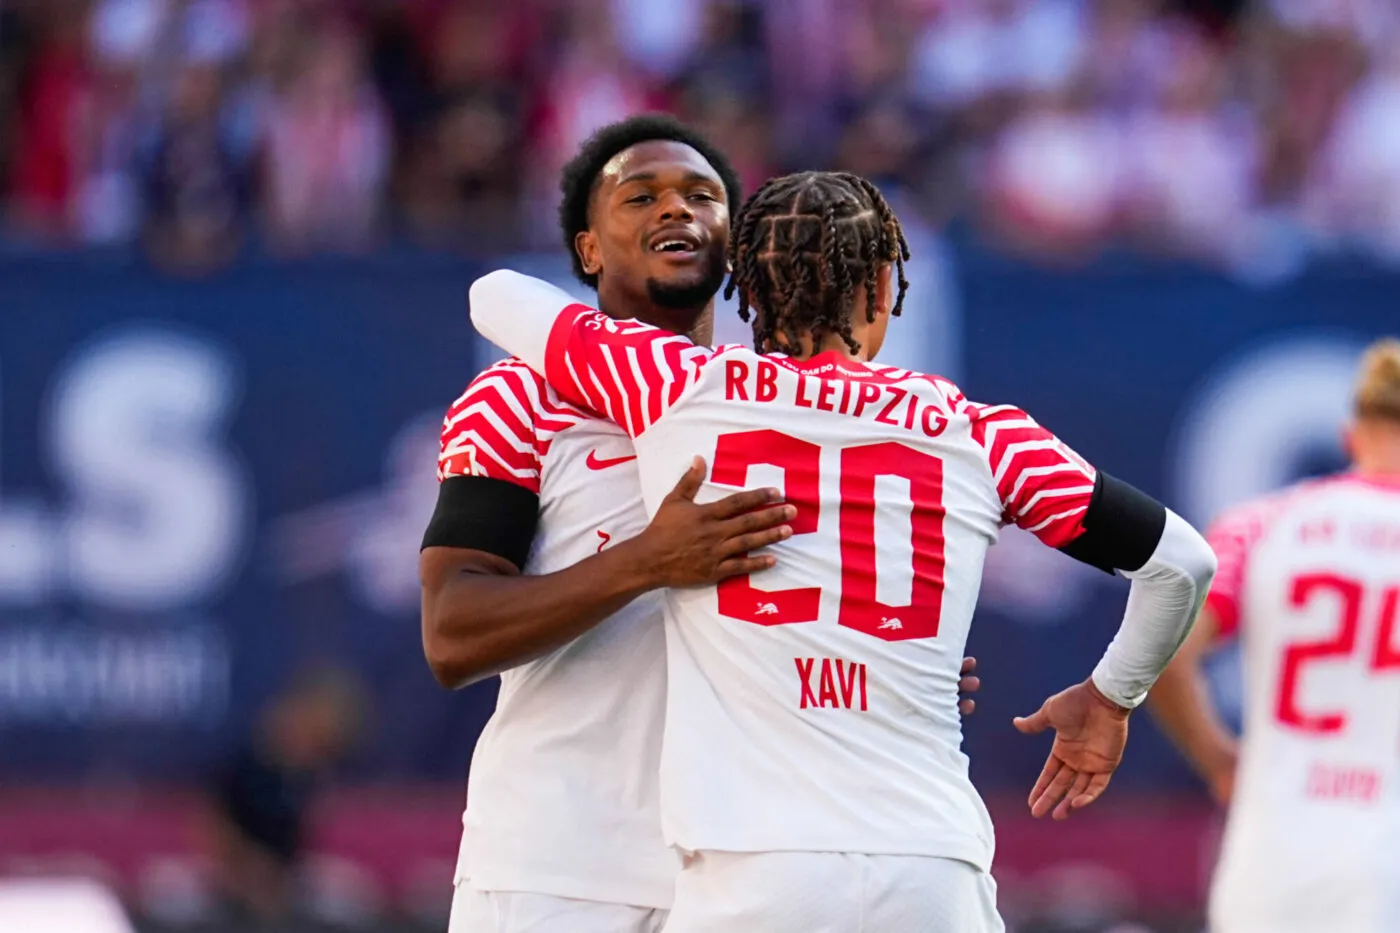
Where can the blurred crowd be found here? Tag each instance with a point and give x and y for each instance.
(1237, 133)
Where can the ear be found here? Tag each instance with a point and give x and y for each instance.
(884, 289)
(1349, 441)
(586, 245)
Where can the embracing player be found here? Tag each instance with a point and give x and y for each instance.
(1310, 582)
(562, 832)
(812, 764)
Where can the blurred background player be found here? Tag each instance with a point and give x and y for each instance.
(1310, 582)
(259, 800)
(531, 482)
(812, 767)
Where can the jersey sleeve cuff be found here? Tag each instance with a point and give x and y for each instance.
(1107, 685)
(558, 371)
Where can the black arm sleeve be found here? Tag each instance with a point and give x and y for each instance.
(1121, 528)
(484, 514)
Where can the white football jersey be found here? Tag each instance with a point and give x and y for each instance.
(1310, 579)
(562, 797)
(813, 707)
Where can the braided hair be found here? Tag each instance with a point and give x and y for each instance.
(800, 248)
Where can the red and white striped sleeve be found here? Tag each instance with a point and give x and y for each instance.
(625, 371)
(490, 430)
(1232, 536)
(1044, 486)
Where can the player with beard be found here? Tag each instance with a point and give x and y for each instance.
(812, 768)
(539, 564)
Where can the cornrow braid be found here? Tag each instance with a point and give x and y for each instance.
(802, 245)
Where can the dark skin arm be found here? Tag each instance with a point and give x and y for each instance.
(482, 616)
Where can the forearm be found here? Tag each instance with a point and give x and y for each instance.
(1180, 703)
(476, 624)
(517, 313)
(1166, 595)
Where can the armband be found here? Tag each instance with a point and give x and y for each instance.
(484, 514)
(1121, 527)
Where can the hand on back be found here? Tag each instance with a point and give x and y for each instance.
(696, 545)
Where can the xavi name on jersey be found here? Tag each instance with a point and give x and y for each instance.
(847, 645)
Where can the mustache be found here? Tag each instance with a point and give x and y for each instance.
(684, 295)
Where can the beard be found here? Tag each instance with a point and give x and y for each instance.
(684, 294)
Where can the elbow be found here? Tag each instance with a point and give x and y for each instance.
(490, 289)
(1200, 572)
(449, 673)
(449, 669)
(453, 660)
(1206, 566)
(1189, 552)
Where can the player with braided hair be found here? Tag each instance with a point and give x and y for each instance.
(539, 563)
(803, 245)
(812, 764)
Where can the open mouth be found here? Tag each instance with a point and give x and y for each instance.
(681, 244)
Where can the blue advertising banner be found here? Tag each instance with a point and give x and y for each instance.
(206, 485)
(1199, 389)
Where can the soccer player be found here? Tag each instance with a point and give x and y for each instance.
(563, 831)
(1310, 580)
(811, 768)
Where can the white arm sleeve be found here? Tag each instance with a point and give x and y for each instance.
(1166, 596)
(517, 313)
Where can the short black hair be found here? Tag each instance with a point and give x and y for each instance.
(580, 177)
(802, 246)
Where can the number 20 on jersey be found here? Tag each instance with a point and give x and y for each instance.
(860, 466)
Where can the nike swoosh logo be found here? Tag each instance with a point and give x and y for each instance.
(595, 464)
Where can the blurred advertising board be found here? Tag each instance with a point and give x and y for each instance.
(204, 485)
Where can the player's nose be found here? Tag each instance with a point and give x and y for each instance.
(673, 206)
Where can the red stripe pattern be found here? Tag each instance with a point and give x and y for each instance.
(503, 425)
(626, 371)
(1233, 536)
(1044, 486)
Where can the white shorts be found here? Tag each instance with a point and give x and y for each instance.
(819, 892)
(475, 911)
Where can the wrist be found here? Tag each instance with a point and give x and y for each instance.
(634, 569)
(1117, 709)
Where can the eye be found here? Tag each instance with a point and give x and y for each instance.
(703, 196)
(640, 199)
